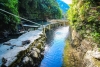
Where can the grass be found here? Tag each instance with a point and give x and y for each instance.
(66, 57)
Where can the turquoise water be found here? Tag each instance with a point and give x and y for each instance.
(54, 53)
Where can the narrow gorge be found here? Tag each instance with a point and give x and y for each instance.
(49, 33)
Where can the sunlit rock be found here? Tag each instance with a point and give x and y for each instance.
(96, 55)
(26, 60)
(37, 50)
(34, 54)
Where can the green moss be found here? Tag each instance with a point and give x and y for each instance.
(66, 58)
(71, 56)
(99, 49)
(97, 62)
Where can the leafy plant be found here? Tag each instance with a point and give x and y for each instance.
(9, 22)
(84, 16)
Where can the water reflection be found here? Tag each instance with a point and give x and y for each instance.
(55, 42)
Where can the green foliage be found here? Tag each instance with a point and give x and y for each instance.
(8, 22)
(39, 9)
(84, 16)
(30, 9)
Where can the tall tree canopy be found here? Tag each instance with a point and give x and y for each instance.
(39, 9)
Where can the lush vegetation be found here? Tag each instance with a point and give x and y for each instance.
(84, 16)
(29, 9)
(8, 22)
(39, 9)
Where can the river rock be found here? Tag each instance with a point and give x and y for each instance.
(96, 55)
(4, 60)
(31, 61)
(42, 48)
(36, 49)
(42, 54)
(26, 60)
(34, 54)
(12, 47)
(39, 45)
(26, 42)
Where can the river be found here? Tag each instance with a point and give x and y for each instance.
(54, 47)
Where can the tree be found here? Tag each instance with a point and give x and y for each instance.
(84, 17)
(8, 22)
(39, 9)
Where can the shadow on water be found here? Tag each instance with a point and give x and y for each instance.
(55, 46)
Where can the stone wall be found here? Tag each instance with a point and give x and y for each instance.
(33, 55)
